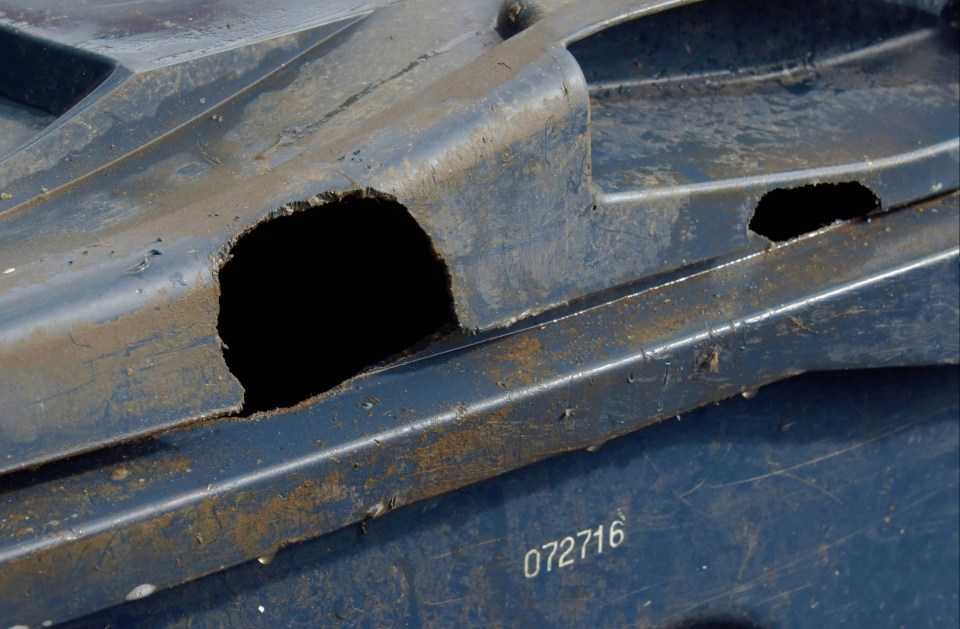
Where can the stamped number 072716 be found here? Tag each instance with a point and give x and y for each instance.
(563, 552)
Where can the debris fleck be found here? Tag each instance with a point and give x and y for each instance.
(266, 559)
(9, 270)
(799, 325)
(514, 12)
(708, 358)
(141, 591)
(5, 196)
(368, 403)
(144, 263)
(375, 511)
(216, 161)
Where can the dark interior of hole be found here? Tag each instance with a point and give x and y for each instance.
(310, 299)
(786, 213)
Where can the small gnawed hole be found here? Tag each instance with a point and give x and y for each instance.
(787, 213)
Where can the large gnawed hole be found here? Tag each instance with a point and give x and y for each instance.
(787, 213)
(312, 298)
